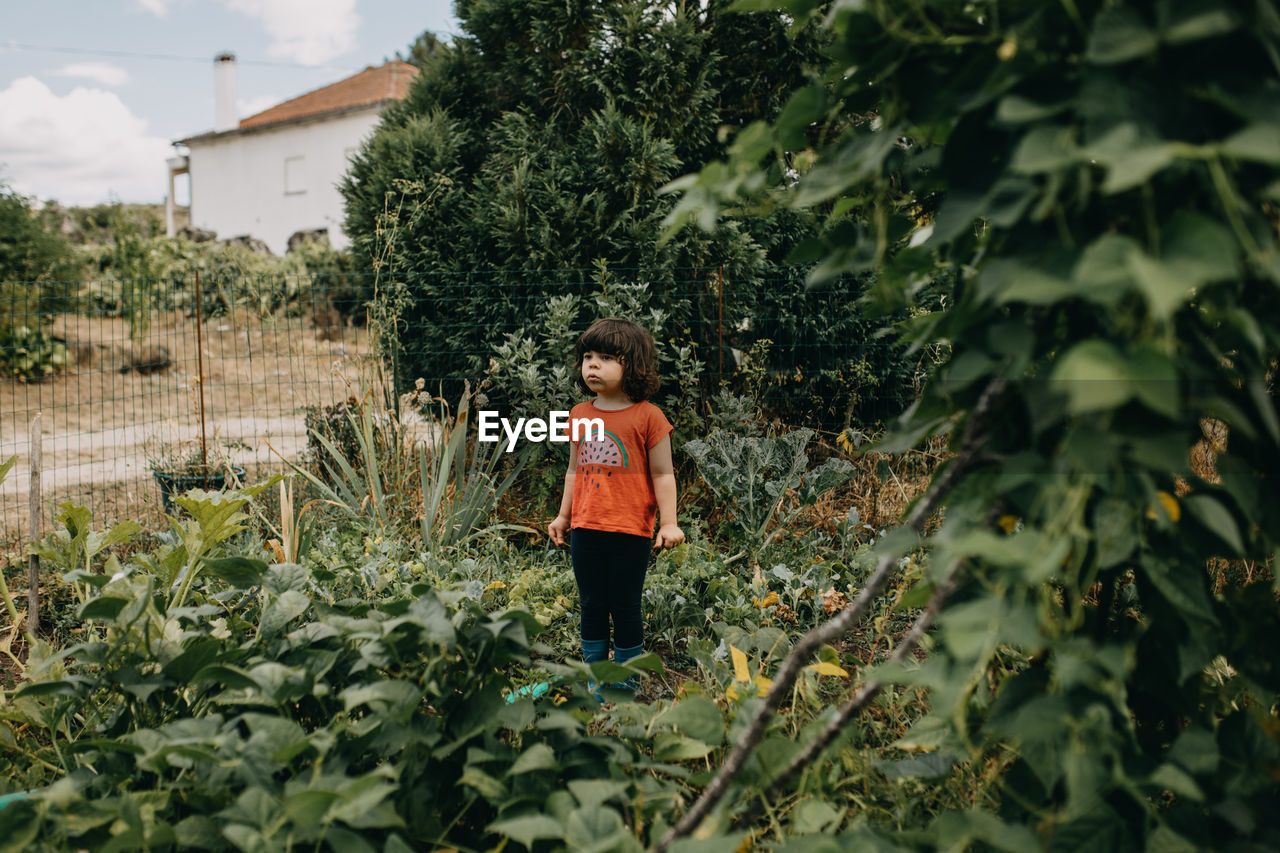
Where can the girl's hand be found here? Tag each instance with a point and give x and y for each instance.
(669, 536)
(557, 529)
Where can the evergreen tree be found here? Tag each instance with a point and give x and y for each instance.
(540, 139)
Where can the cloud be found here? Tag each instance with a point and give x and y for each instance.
(311, 32)
(98, 72)
(81, 148)
(159, 8)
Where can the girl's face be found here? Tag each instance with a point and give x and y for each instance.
(602, 372)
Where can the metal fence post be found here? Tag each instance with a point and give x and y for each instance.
(204, 444)
(33, 561)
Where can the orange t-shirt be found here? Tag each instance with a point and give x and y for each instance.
(612, 489)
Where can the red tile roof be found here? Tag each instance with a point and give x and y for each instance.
(371, 86)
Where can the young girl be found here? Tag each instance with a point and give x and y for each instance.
(613, 486)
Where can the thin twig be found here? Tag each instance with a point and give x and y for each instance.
(832, 630)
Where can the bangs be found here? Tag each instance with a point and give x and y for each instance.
(609, 338)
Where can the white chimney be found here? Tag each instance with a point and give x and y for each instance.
(224, 92)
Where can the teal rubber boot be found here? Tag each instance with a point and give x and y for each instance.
(592, 651)
(622, 655)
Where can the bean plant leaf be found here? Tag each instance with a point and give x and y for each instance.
(1119, 35)
(929, 766)
(803, 109)
(239, 572)
(1046, 149)
(536, 757)
(198, 653)
(669, 746)
(105, 608)
(19, 826)
(698, 717)
(286, 607)
(1214, 516)
(1258, 142)
(395, 699)
(528, 829)
(595, 828)
(1092, 375)
(1185, 23)
(591, 792)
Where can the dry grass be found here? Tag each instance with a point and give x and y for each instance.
(1204, 462)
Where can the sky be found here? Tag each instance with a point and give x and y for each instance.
(93, 92)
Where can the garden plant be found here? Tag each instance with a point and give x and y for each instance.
(1064, 641)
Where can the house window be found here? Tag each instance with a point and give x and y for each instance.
(295, 178)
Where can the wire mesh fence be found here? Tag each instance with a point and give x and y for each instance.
(113, 368)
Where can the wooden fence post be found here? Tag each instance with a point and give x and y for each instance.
(33, 561)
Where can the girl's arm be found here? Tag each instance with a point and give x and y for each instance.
(663, 474)
(557, 528)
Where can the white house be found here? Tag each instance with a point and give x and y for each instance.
(276, 173)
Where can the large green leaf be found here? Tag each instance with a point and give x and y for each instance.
(932, 765)
(1186, 22)
(528, 828)
(1046, 148)
(814, 815)
(1165, 286)
(1210, 512)
(286, 607)
(1258, 142)
(1120, 35)
(698, 717)
(1093, 376)
(1184, 588)
(239, 572)
(597, 828)
(1115, 526)
(19, 826)
(1130, 160)
(668, 746)
(104, 608)
(396, 699)
(1101, 271)
(804, 108)
(592, 792)
(539, 756)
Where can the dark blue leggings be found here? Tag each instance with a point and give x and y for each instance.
(610, 569)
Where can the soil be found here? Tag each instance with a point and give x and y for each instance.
(124, 399)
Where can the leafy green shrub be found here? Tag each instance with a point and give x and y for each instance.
(30, 353)
(36, 269)
(359, 701)
(753, 475)
(1089, 184)
(31, 251)
(514, 169)
(222, 703)
(134, 273)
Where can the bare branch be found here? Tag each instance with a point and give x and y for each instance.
(833, 629)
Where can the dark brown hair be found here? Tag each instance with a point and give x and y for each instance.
(630, 344)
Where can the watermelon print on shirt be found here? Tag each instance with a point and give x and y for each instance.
(612, 490)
